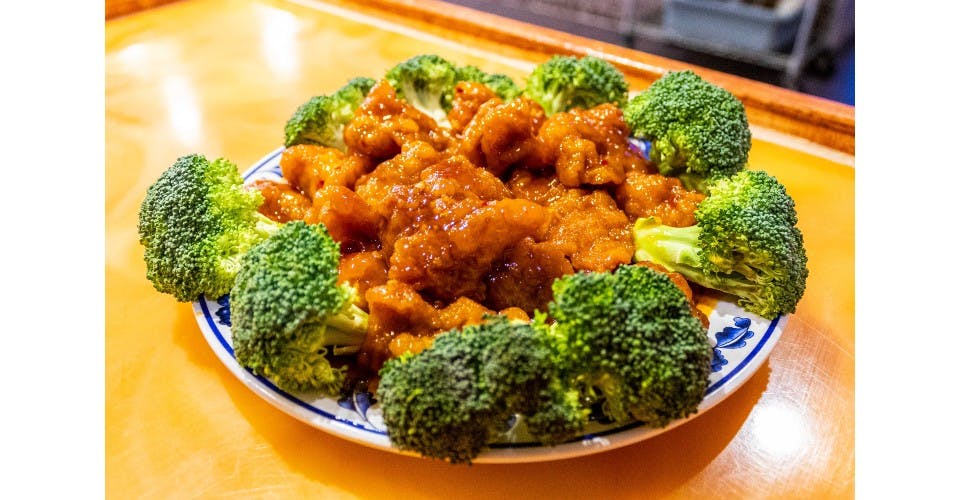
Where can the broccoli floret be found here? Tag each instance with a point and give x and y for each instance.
(745, 242)
(633, 342)
(434, 405)
(453, 399)
(527, 371)
(321, 119)
(501, 84)
(195, 223)
(427, 82)
(627, 338)
(564, 82)
(355, 90)
(696, 130)
(287, 308)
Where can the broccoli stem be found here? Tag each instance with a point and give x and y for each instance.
(428, 103)
(229, 263)
(693, 182)
(678, 250)
(265, 226)
(556, 104)
(346, 330)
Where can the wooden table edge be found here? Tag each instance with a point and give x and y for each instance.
(820, 121)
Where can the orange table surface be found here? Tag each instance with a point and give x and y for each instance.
(220, 78)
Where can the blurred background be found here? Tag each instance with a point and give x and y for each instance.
(805, 45)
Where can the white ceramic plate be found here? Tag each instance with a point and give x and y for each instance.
(742, 343)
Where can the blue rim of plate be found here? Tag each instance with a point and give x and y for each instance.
(731, 328)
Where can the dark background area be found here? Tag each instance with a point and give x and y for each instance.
(823, 67)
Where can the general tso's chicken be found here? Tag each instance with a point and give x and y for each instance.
(462, 312)
(440, 227)
(363, 270)
(282, 202)
(646, 195)
(523, 276)
(350, 221)
(401, 321)
(384, 123)
(543, 189)
(502, 134)
(592, 230)
(587, 226)
(587, 147)
(414, 198)
(449, 260)
(308, 167)
(467, 99)
(379, 186)
(457, 178)
(395, 308)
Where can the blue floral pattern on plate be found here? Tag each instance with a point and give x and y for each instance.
(223, 312)
(359, 402)
(641, 146)
(731, 337)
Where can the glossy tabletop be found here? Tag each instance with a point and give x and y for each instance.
(220, 78)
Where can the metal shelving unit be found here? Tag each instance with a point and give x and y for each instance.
(638, 19)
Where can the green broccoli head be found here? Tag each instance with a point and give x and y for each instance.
(633, 340)
(526, 369)
(501, 84)
(355, 90)
(696, 130)
(321, 119)
(564, 82)
(286, 308)
(427, 82)
(745, 243)
(560, 416)
(453, 399)
(195, 223)
(433, 405)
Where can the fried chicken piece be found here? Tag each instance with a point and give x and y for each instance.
(467, 99)
(646, 195)
(364, 270)
(587, 146)
(587, 226)
(384, 123)
(350, 221)
(448, 261)
(463, 312)
(395, 308)
(281, 202)
(592, 231)
(308, 167)
(523, 277)
(502, 134)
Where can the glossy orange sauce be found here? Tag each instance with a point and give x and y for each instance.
(440, 226)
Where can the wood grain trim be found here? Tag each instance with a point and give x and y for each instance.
(819, 120)
(116, 8)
